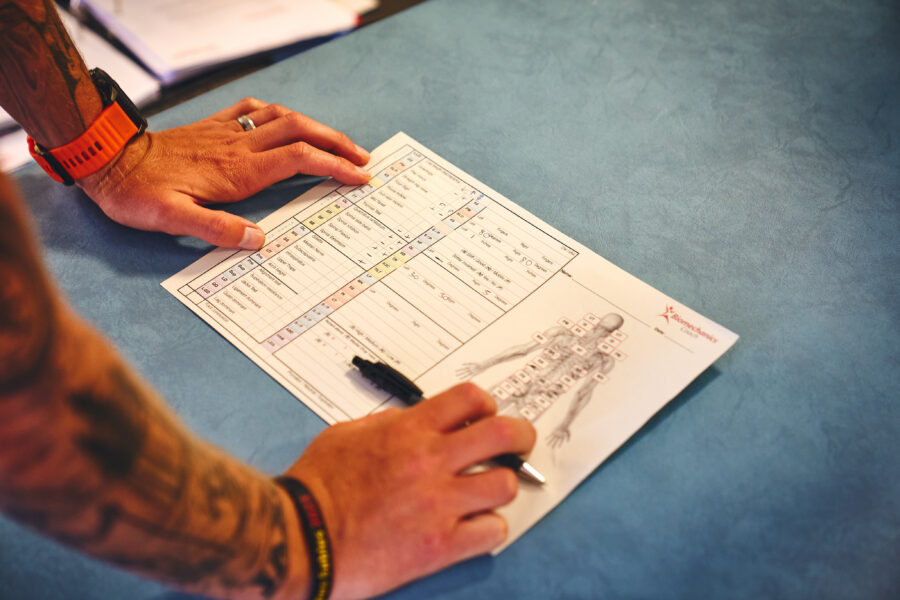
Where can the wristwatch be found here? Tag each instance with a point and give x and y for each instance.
(118, 123)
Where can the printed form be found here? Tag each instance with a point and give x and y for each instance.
(431, 271)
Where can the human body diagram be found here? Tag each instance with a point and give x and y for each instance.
(570, 353)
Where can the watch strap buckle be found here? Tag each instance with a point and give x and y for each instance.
(49, 163)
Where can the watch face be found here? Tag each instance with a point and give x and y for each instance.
(87, 153)
(111, 92)
(106, 86)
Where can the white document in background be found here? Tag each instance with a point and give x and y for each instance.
(97, 52)
(177, 38)
(431, 271)
(360, 7)
(13, 150)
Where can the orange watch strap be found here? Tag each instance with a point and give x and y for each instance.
(38, 155)
(93, 149)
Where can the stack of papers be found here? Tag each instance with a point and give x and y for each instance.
(176, 39)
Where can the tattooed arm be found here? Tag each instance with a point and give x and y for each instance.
(90, 456)
(161, 180)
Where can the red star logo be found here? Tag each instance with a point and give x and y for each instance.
(670, 310)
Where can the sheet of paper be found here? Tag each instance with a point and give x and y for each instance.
(97, 52)
(360, 7)
(175, 39)
(433, 272)
(13, 150)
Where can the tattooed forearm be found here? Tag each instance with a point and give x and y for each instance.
(44, 83)
(26, 324)
(90, 456)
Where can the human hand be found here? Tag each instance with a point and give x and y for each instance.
(468, 370)
(393, 491)
(162, 180)
(559, 436)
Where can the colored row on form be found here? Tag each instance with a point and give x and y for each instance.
(292, 230)
(373, 275)
(385, 267)
(379, 179)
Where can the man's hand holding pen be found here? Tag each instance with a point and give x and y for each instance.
(392, 381)
(409, 467)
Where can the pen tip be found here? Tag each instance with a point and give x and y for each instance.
(532, 474)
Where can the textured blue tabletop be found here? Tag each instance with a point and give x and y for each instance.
(742, 157)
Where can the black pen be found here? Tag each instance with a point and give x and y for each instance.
(393, 382)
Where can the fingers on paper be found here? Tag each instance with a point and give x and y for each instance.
(456, 406)
(287, 143)
(301, 157)
(488, 438)
(278, 126)
(214, 226)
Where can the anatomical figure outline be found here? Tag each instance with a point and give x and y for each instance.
(570, 353)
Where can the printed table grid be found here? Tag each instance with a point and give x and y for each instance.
(318, 261)
(327, 341)
(454, 306)
(414, 341)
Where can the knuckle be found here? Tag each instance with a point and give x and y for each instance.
(415, 467)
(433, 545)
(446, 456)
(405, 426)
(301, 151)
(235, 136)
(477, 398)
(251, 103)
(504, 430)
(343, 140)
(429, 501)
(215, 226)
(284, 112)
(295, 120)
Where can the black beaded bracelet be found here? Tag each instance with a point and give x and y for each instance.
(321, 567)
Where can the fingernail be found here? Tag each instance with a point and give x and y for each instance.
(253, 239)
(362, 151)
(363, 172)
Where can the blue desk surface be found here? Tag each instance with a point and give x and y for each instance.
(742, 157)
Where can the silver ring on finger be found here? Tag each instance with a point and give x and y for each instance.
(246, 123)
